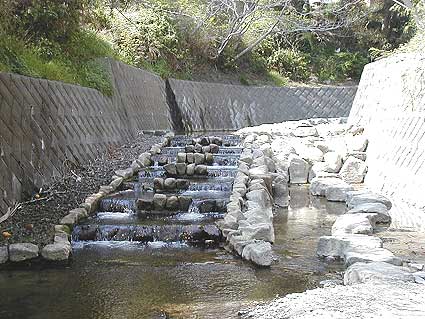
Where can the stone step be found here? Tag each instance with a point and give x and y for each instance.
(192, 234)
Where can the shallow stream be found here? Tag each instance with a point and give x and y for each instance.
(113, 280)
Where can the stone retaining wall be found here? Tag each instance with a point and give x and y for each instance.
(390, 104)
(212, 106)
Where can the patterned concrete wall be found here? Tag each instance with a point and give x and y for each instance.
(209, 106)
(43, 123)
(390, 104)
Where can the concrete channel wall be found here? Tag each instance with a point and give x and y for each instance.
(44, 124)
(213, 106)
(390, 104)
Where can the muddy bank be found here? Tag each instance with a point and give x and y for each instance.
(34, 221)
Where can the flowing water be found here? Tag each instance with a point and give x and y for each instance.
(132, 264)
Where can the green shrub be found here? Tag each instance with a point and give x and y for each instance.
(290, 63)
(339, 66)
(149, 37)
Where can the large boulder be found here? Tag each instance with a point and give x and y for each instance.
(357, 199)
(338, 192)
(4, 254)
(353, 224)
(263, 231)
(376, 271)
(381, 211)
(259, 252)
(22, 252)
(259, 196)
(159, 201)
(333, 162)
(56, 252)
(318, 170)
(319, 185)
(361, 254)
(357, 143)
(281, 191)
(336, 246)
(353, 171)
(298, 170)
(171, 169)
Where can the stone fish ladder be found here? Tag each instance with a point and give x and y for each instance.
(173, 201)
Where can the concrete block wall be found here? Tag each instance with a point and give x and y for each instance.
(45, 123)
(213, 106)
(390, 104)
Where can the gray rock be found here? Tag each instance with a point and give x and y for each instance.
(198, 148)
(336, 246)
(144, 204)
(182, 184)
(319, 185)
(190, 148)
(190, 158)
(376, 271)
(298, 170)
(259, 170)
(74, 216)
(260, 253)
(281, 191)
(353, 171)
(367, 198)
(206, 149)
(124, 173)
(214, 148)
(155, 149)
(259, 231)
(181, 168)
(381, 211)
(190, 169)
(162, 160)
(56, 252)
(338, 192)
(181, 158)
(145, 160)
(353, 224)
(361, 254)
(305, 131)
(259, 196)
(318, 170)
(209, 158)
(22, 252)
(201, 170)
(360, 155)
(158, 183)
(171, 169)
(357, 143)
(184, 202)
(199, 158)
(172, 203)
(170, 183)
(159, 201)
(4, 254)
(333, 162)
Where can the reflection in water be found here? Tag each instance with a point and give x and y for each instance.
(184, 282)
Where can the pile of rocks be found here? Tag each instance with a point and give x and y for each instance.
(195, 158)
(205, 144)
(248, 224)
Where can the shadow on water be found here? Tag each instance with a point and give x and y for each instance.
(176, 281)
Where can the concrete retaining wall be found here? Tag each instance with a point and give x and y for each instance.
(211, 106)
(390, 104)
(44, 123)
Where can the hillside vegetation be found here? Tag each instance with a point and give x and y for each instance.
(269, 43)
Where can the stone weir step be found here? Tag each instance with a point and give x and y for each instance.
(191, 234)
(222, 140)
(212, 171)
(174, 150)
(225, 159)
